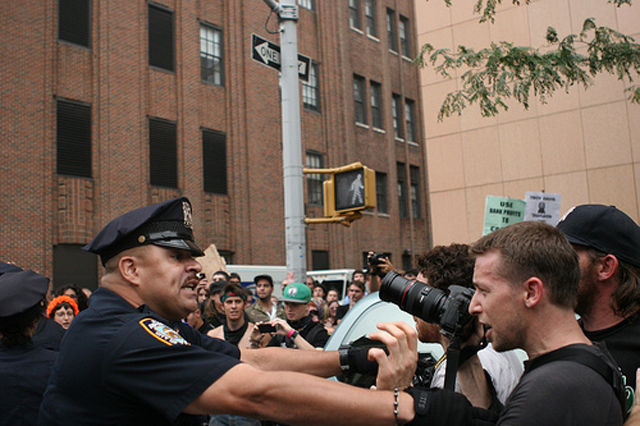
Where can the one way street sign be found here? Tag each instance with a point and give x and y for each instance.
(268, 53)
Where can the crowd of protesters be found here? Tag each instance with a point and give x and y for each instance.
(34, 317)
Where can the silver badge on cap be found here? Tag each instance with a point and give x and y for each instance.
(186, 214)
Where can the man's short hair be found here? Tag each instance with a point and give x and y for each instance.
(357, 271)
(221, 272)
(535, 249)
(358, 284)
(263, 277)
(217, 287)
(448, 265)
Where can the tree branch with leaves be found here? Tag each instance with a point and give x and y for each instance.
(503, 71)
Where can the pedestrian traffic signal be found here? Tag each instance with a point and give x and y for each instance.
(351, 188)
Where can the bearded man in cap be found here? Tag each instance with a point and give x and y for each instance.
(608, 245)
(128, 359)
(24, 367)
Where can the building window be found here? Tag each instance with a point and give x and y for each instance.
(307, 4)
(314, 180)
(375, 94)
(359, 99)
(161, 51)
(410, 119)
(391, 30)
(402, 190)
(319, 260)
(414, 173)
(72, 265)
(403, 31)
(370, 17)
(354, 14)
(396, 102)
(211, 47)
(74, 21)
(381, 192)
(73, 139)
(162, 153)
(310, 90)
(214, 161)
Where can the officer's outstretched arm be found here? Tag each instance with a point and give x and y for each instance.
(295, 398)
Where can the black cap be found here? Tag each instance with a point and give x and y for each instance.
(166, 224)
(604, 228)
(20, 291)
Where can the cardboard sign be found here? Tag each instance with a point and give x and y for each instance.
(500, 212)
(543, 206)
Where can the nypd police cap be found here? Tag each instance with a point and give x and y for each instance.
(166, 224)
(604, 228)
(20, 291)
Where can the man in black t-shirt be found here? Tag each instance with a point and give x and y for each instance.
(526, 279)
(608, 245)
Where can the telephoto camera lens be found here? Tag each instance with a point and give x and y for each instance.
(413, 297)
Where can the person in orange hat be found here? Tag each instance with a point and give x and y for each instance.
(62, 309)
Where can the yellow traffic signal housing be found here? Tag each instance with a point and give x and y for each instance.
(351, 188)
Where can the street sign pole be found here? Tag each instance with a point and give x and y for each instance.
(294, 223)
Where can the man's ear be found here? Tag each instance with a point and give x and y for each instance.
(607, 266)
(533, 291)
(129, 267)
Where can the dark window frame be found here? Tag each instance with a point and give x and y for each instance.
(317, 263)
(396, 113)
(392, 30)
(162, 171)
(381, 193)
(74, 138)
(311, 89)
(69, 24)
(355, 14)
(405, 39)
(414, 194)
(402, 190)
(160, 58)
(375, 98)
(371, 18)
(208, 74)
(359, 99)
(215, 179)
(315, 196)
(410, 119)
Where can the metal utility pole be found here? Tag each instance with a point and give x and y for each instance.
(287, 11)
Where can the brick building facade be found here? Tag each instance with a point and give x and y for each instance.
(111, 105)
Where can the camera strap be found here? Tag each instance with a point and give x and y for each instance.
(453, 360)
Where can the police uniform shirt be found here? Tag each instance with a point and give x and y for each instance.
(122, 365)
(24, 372)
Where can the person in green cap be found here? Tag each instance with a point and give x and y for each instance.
(298, 331)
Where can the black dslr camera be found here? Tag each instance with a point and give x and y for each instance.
(373, 260)
(450, 311)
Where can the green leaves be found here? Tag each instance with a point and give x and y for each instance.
(502, 71)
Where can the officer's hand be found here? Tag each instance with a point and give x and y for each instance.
(397, 368)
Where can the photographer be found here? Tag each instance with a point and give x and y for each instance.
(526, 279)
(484, 376)
(298, 331)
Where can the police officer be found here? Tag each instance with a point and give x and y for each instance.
(24, 367)
(127, 359)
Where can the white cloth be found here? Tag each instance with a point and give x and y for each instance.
(505, 369)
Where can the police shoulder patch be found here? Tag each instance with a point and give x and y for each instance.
(162, 332)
